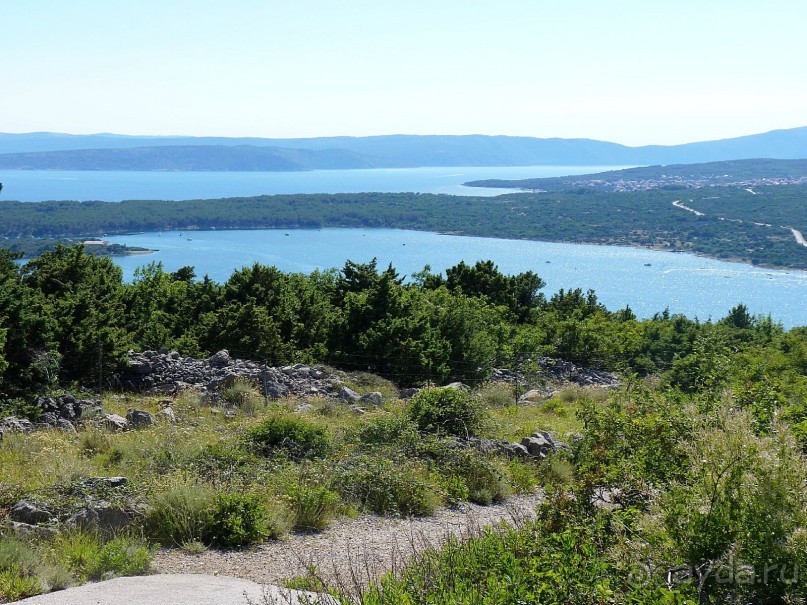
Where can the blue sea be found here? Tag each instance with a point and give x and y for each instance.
(115, 186)
(646, 280)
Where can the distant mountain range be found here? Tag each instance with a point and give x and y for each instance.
(55, 151)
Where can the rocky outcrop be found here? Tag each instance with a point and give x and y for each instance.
(139, 419)
(541, 443)
(29, 513)
(538, 446)
(559, 371)
(97, 503)
(169, 372)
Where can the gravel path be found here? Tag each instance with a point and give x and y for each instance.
(352, 552)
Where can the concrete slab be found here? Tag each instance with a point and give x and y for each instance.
(182, 589)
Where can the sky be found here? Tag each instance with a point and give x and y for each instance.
(635, 73)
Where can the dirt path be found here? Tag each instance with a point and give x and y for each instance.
(799, 237)
(351, 552)
(679, 204)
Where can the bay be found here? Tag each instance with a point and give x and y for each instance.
(646, 280)
(115, 186)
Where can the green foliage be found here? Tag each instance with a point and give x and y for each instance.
(179, 514)
(88, 557)
(235, 520)
(447, 411)
(737, 521)
(387, 487)
(312, 503)
(242, 394)
(289, 434)
(512, 565)
(584, 216)
(83, 295)
(635, 443)
(486, 480)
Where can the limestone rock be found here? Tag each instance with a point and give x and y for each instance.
(139, 419)
(374, 398)
(349, 395)
(28, 512)
(115, 422)
(102, 516)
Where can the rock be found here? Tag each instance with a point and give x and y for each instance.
(170, 374)
(407, 393)
(102, 516)
(505, 375)
(346, 394)
(64, 425)
(28, 512)
(304, 408)
(139, 419)
(458, 386)
(27, 531)
(519, 451)
(357, 410)
(16, 425)
(168, 415)
(115, 422)
(275, 390)
(48, 419)
(374, 398)
(104, 482)
(540, 444)
(220, 359)
(532, 395)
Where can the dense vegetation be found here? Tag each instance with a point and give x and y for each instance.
(676, 489)
(68, 316)
(727, 230)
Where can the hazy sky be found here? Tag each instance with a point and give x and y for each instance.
(631, 72)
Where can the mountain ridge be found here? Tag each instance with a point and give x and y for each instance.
(65, 151)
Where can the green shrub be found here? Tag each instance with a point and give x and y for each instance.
(633, 443)
(236, 520)
(24, 572)
(14, 586)
(180, 514)
(242, 394)
(123, 556)
(486, 479)
(388, 429)
(296, 437)
(497, 394)
(223, 460)
(386, 487)
(555, 406)
(93, 441)
(312, 504)
(743, 506)
(88, 557)
(447, 411)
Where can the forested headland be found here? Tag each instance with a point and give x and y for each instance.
(731, 222)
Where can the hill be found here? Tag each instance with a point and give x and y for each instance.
(388, 151)
(188, 157)
(731, 223)
(753, 172)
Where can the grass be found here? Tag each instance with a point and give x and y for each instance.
(210, 480)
